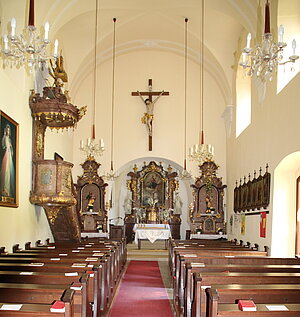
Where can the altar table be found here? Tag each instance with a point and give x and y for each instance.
(151, 232)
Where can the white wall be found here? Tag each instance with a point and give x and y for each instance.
(271, 136)
(130, 137)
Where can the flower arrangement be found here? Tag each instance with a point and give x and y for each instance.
(152, 202)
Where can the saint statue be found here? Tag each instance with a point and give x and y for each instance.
(91, 200)
(177, 204)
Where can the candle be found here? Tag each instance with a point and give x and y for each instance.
(13, 24)
(55, 53)
(101, 143)
(5, 43)
(294, 46)
(281, 32)
(244, 58)
(46, 27)
(88, 141)
(81, 144)
(248, 40)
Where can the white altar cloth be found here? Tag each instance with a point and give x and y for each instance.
(151, 232)
(208, 236)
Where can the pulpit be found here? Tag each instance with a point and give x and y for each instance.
(152, 190)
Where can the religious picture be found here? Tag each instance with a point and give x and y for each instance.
(243, 224)
(153, 190)
(8, 161)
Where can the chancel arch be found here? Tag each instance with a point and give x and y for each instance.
(121, 191)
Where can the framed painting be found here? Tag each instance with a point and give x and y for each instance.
(153, 189)
(9, 156)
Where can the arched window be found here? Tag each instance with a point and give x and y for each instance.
(243, 101)
(289, 17)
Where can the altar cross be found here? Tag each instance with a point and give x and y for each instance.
(149, 102)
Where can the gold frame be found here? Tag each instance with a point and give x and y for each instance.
(11, 199)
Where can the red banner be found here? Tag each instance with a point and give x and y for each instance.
(263, 224)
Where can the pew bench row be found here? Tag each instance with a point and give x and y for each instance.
(87, 272)
(198, 267)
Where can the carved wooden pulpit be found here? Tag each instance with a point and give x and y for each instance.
(52, 184)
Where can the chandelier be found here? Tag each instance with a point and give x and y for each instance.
(202, 152)
(28, 47)
(90, 147)
(265, 57)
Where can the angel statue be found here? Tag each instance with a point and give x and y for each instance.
(57, 71)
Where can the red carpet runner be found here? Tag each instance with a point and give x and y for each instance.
(142, 292)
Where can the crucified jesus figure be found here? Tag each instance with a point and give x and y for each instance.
(147, 118)
(149, 101)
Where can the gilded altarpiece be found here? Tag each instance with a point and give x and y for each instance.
(152, 198)
(90, 190)
(207, 214)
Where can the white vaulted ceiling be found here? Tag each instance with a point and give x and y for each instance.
(147, 25)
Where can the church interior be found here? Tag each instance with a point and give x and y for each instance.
(119, 115)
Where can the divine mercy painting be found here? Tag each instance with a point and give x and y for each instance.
(8, 161)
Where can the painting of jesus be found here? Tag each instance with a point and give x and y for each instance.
(8, 161)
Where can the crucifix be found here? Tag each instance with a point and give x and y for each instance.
(149, 102)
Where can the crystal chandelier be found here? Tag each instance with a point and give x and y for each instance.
(27, 48)
(91, 148)
(265, 57)
(202, 152)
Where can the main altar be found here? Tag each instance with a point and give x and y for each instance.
(152, 190)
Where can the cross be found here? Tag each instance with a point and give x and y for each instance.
(148, 116)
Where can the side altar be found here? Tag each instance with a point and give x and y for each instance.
(151, 198)
(90, 196)
(207, 213)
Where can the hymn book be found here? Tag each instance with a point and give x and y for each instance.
(246, 305)
(58, 307)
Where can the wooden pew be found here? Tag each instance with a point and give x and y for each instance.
(187, 257)
(42, 309)
(181, 256)
(39, 294)
(260, 294)
(192, 268)
(99, 299)
(228, 310)
(205, 280)
(83, 309)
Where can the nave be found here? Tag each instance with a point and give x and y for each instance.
(103, 277)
